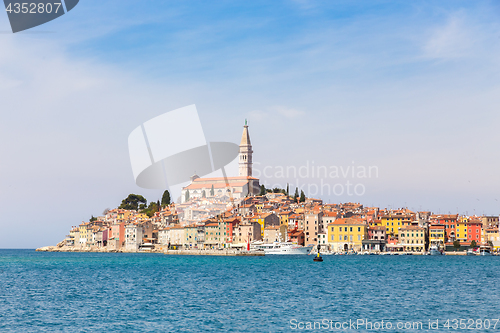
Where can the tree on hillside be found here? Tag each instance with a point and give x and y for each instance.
(186, 196)
(133, 202)
(152, 209)
(262, 190)
(92, 219)
(287, 190)
(165, 198)
(302, 196)
(212, 192)
(296, 195)
(456, 244)
(203, 194)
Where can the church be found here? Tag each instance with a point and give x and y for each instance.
(220, 187)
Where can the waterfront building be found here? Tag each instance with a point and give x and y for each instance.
(133, 236)
(247, 232)
(191, 232)
(461, 229)
(437, 234)
(296, 236)
(211, 235)
(347, 233)
(393, 221)
(377, 239)
(474, 228)
(412, 238)
(275, 233)
(265, 220)
(313, 225)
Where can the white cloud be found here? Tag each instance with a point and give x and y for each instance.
(456, 38)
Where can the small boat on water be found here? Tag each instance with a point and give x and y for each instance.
(470, 252)
(434, 251)
(283, 248)
(485, 251)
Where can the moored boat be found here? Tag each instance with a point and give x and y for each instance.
(485, 251)
(434, 251)
(284, 248)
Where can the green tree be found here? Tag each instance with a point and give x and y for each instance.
(165, 198)
(456, 244)
(151, 209)
(296, 195)
(212, 191)
(302, 196)
(203, 194)
(186, 196)
(92, 219)
(133, 202)
(262, 190)
(473, 244)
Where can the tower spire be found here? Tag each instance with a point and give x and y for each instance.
(245, 160)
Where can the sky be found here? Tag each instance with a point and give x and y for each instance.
(407, 89)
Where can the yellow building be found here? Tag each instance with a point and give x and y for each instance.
(84, 233)
(412, 238)
(461, 230)
(346, 234)
(265, 220)
(259, 207)
(436, 234)
(284, 217)
(394, 222)
(124, 214)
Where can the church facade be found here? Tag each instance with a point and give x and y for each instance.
(230, 187)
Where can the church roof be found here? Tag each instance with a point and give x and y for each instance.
(242, 178)
(245, 137)
(208, 186)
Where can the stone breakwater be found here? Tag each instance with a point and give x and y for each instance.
(211, 252)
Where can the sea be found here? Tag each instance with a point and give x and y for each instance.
(114, 292)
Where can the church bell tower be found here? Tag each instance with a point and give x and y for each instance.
(245, 153)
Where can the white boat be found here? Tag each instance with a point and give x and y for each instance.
(485, 251)
(283, 248)
(470, 252)
(434, 251)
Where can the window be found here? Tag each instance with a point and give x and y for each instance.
(350, 229)
(359, 237)
(345, 228)
(340, 237)
(345, 237)
(359, 228)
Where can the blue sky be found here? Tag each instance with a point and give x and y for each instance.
(409, 87)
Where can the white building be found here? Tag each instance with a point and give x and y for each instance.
(133, 236)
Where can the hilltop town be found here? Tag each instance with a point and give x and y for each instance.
(279, 217)
(234, 212)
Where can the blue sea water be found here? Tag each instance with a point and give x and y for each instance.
(87, 292)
